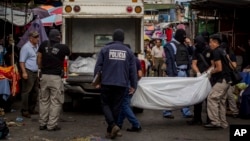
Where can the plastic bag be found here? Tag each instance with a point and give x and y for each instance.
(82, 65)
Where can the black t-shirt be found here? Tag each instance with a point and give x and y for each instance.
(218, 54)
(207, 55)
(52, 57)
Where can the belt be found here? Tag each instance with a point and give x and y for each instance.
(178, 69)
(31, 70)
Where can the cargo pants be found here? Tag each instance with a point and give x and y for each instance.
(216, 104)
(231, 100)
(51, 98)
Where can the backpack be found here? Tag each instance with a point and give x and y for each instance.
(181, 55)
(4, 130)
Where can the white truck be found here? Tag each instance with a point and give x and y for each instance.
(88, 25)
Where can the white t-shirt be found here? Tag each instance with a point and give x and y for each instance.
(158, 52)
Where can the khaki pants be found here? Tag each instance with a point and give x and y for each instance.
(51, 98)
(216, 104)
(158, 67)
(29, 91)
(231, 100)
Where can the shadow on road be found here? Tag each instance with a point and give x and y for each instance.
(86, 106)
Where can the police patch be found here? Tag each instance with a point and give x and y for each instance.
(117, 54)
(208, 55)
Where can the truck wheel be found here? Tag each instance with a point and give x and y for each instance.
(137, 110)
(67, 106)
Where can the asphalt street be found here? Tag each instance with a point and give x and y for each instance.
(86, 123)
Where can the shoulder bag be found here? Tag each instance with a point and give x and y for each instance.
(235, 74)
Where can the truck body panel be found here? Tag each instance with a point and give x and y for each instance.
(82, 32)
(89, 29)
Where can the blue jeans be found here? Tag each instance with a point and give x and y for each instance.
(126, 112)
(185, 111)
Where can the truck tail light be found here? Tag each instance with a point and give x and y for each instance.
(129, 9)
(68, 8)
(65, 67)
(138, 9)
(143, 67)
(77, 8)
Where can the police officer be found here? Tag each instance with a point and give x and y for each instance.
(117, 65)
(178, 64)
(126, 111)
(50, 59)
(232, 105)
(216, 106)
(201, 62)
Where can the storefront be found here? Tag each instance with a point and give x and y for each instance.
(224, 16)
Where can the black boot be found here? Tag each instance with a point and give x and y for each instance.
(134, 129)
(194, 122)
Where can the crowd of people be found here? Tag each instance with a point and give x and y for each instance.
(41, 83)
(183, 57)
(42, 86)
(120, 72)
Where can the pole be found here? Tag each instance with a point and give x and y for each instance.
(12, 31)
(26, 12)
(233, 31)
(5, 21)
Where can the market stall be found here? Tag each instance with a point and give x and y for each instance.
(9, 76)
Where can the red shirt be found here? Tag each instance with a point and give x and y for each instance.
(169, 34)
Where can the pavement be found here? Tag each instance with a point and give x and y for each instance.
(87, 123)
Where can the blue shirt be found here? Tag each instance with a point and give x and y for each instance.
(28, 55)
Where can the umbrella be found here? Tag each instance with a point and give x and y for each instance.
(47, 7)
(163, 25)
(158, 35)
(40, 12)
(150, 27)
(36, 25)
(181, 26)
(55, 10)
(52, 19)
